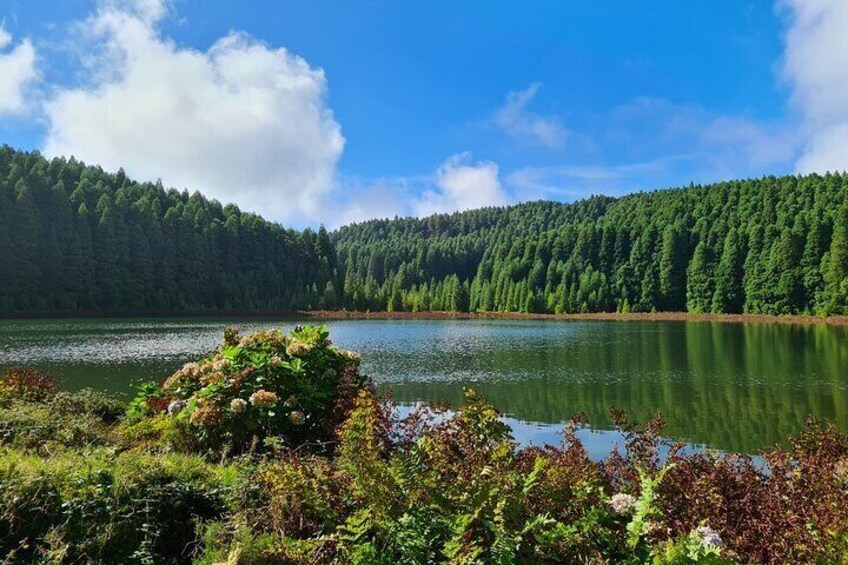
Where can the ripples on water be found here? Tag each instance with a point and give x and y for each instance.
(736, 387)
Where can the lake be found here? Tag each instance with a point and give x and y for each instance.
(736, 387)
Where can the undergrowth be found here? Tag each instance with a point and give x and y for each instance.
(85, 479)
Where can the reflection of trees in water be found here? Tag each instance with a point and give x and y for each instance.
(735, 387)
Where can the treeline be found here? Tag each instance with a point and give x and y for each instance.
(776, 245)
(75, 238)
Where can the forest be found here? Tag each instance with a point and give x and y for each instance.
(76, 238)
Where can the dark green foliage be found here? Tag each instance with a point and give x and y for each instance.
(775, 245)
(673, 270)
(729, 293)
(835, 266)
(700, 280)
(77, 238)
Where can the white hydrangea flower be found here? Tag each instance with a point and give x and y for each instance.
(175, 407)
(622, 503)
(709, 537)
(263, 398)
(351, 356)
(298, 349)
(238, 405)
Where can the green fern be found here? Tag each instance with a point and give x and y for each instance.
(646, 510)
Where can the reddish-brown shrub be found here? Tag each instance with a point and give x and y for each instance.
(27, 383)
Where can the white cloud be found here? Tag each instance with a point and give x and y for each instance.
(17, 72)
(516, 120)
(756, 147)
(827, 150)
(816, 66)
(653, 143)
(462, 185)
(576, 181)
(5, 37)
(382, 198)
(242, 121)
(457, 184)
(714, 146)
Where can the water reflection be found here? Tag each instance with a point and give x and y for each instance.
(731, 386)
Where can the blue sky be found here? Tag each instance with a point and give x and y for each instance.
(329, 112)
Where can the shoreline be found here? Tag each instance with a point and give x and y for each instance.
(797, 319)
(597, 316)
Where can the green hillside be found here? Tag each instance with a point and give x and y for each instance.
(76, 238)
(777, 245)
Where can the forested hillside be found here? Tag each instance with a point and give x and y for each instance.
(768, 246)
(74, 237)
(77, 238)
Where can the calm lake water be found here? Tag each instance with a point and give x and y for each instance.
(738, 387)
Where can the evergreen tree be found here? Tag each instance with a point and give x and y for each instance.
(836, 266)
(813, 282)
(74, 237)
(729, 296)
(78, 238)
(700, 285)
(673, 261)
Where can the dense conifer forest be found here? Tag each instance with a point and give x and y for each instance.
(777, 245)
(77, 238)
(74, 237)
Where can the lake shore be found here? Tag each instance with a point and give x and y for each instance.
(359, 315)
(603, 316)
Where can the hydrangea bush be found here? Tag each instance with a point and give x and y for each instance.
(294, 388)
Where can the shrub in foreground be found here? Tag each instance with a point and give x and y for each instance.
(26, 383)
(432, 487)
(442, 488)
(103, 506)
(33, 414)
(429, 488)
(290, 389)
(454, 488)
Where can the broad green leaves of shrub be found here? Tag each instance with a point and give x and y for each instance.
(297, 388)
